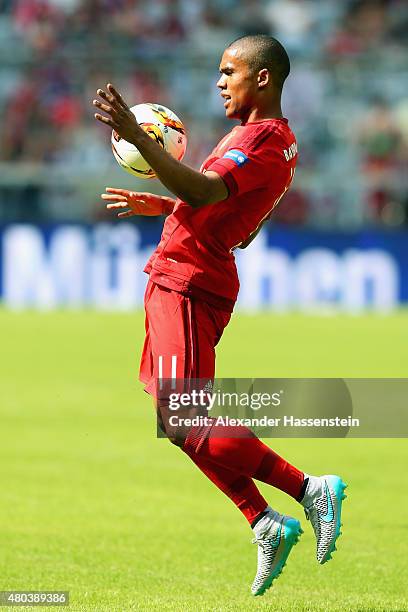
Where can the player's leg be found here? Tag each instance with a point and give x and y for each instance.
(241, 490)
(170, 352)
(185, 342)
(240, 450)
(274, 533)
(168, 314)
(237, 448)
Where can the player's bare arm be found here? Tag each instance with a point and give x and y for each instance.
(137, 203)
(192, 187)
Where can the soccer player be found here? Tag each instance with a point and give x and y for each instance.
(193, 285)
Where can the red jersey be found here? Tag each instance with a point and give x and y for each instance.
(195, 254)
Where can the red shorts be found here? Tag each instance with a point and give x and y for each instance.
(181, 335)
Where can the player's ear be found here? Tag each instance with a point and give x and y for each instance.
(263, 78)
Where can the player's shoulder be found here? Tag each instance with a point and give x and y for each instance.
(268, 133)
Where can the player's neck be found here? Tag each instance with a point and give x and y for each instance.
(259, 114)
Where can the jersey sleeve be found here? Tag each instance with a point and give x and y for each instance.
(251, 163)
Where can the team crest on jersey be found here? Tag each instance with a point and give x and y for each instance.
(237, 156)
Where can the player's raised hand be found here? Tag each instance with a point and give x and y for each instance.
(120, 117)
(138, 203)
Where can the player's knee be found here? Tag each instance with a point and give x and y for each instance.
(173, 433)
(175, 436)
(176, 441)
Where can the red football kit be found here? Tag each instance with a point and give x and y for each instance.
(193, 281)
(191, 293)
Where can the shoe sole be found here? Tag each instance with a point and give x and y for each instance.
(292, 533)
(338, 486)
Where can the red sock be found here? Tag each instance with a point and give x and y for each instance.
(240, 489)
(241, 451)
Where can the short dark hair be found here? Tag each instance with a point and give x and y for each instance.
(262, 51)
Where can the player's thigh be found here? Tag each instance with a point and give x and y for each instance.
(166, 313)
(183, 335)
(207, 325)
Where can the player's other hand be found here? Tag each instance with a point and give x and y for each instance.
(137, 203)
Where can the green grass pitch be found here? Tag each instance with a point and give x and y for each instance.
(93, 503)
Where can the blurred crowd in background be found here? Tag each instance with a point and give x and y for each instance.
(346, 99)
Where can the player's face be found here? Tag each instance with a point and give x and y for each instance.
(238, 84)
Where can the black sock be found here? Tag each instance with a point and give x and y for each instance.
(302, 490)
(258, 518)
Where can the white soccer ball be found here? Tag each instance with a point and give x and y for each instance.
(163, 126)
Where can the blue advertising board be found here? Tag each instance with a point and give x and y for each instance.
(75, 266)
